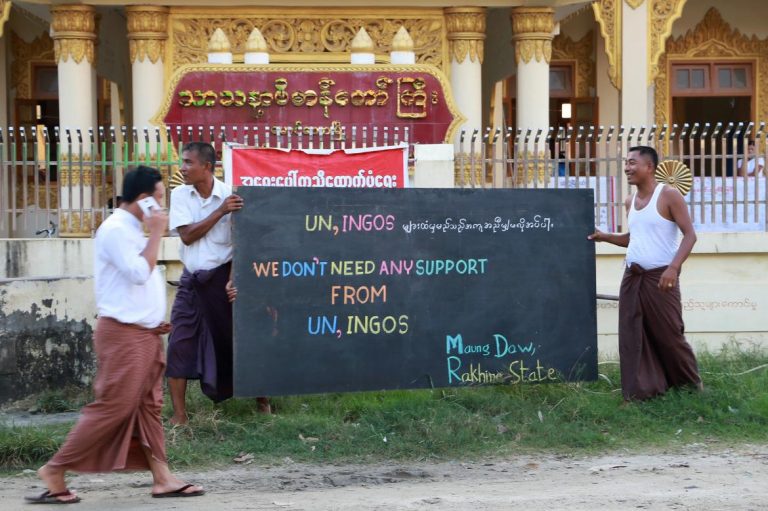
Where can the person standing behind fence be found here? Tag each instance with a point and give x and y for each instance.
(653, 352)
(200, 344)
(122, 428)
(755, 166)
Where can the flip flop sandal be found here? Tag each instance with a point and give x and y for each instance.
(53, 498)
(179, 493)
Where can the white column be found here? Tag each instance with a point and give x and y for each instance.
(147, 33)
(466, 37)
(532, 32)
(636, 94)
(74, 36)
(532, 35)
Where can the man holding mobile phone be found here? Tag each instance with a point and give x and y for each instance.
(122, 428)
(200, 344)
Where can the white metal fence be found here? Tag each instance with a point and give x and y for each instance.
(66, 182)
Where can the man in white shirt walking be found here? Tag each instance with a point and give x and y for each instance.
(200, 344)
(653, 352)
(122, 428)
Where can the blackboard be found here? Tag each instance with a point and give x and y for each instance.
(361, 289)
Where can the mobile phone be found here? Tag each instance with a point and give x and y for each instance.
(147, 204)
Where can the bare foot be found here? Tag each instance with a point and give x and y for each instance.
(263, 405)
(179, 420)
(54, 481)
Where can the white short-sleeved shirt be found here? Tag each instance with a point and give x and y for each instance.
(126, 290)
(751, 165)
(187, 207)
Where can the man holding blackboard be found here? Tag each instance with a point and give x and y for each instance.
(654, 354)
(200, 344)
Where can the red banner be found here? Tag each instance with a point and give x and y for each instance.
(351, 168)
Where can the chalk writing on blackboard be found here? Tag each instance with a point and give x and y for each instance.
(414, 288)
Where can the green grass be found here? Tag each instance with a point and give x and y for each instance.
(457, 422)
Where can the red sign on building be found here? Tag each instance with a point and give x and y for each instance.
(275, 98)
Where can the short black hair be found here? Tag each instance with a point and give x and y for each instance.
(645, 150)
(140, 180)
(204, 150)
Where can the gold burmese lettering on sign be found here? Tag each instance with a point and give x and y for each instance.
(412, 97)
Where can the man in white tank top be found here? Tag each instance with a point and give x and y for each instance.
(654, 354)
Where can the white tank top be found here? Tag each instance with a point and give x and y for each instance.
(653, 240)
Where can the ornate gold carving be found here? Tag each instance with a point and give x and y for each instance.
(71, 225)
(661, 15)
(74, 32)
(712, 38)
(582, 52)
(24, 56)
(38, 194)
(5, 13)
(290, 32)
(608, 17)
(402, 41)
(532, 33)
(634, 3)
(466, 32)
(147, 32)
(530, 166)
(362, 42)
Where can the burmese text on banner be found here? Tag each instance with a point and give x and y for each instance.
(378, 167)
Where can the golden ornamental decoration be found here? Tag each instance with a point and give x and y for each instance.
(582, 52)
(712, 37)
(532, 33)
(290, 32)
(177, 179)
(676, 174)
(147, 32)
(74, 33)
(608, 17)
(5, 13)
(662, 14)
(25, 55)
(466, 32)
(634, 3)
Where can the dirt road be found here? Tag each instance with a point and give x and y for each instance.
(693, 478)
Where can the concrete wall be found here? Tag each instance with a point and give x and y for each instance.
(46, 327)
(724, 287)
(47, 309)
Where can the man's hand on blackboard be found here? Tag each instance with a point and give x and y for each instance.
(598, 235)
(231, 203)
(231, 291)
